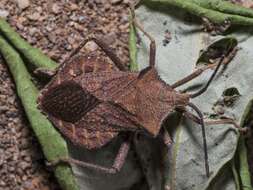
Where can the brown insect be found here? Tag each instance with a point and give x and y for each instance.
(91, 101)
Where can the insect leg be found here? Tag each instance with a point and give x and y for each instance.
(117, 164)
(75, 51)
(196, 73)
(44, 74)
(166, 138)
(243, 130)
(121, 157)
(202, 90)
(108, 51)
(152, 46)
(201, 122)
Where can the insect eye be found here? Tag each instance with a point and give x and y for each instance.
(66, 101)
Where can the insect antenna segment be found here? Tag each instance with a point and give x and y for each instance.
(201, 121)
(202, 90)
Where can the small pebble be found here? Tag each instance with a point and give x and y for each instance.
(56, 8)
(23, 4)
(4, 13)
(115, 1)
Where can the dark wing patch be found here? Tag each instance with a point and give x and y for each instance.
(67, 101)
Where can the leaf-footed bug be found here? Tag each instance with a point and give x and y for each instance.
(91, 102)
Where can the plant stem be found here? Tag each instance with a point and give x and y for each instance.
(33, 55)
(208, 10)
(244, 167)
(225, 7)
(132, 46)
(53, 145)
(242, 150)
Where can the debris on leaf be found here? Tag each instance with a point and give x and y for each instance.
(167, 37)
(218, 109)
(230, 96)
(213, 28)
(228, 99)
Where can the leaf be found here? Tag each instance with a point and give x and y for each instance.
(88, 179)
(178, 59)
(216, 49)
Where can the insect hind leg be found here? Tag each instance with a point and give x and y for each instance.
(116, 167)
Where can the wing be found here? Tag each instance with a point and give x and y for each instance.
(89, 63)
(97, 127)
(107, 86)
(76, 112)
(80, 65)
(95, 75)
